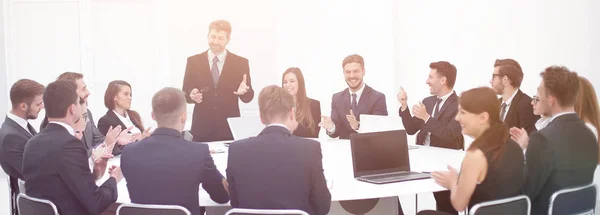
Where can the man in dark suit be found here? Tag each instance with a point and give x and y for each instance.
(176, 167)
(516, 110)
(55, 163)
(214, 80)
(92, 138)
(434, 118)
(349, 104)
(564, 154)
(26, 100)
(277, 170)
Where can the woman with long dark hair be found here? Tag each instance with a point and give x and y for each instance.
(493, 165)
(308, 111)
(117, 99)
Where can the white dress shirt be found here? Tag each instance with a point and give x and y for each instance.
(128, 123)
(20, 121)
(427, 141)
(221, 58)
(68, 127)
(508, 103)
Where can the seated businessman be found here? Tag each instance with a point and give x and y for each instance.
(164, 168)
(349, 104)
(277, 170)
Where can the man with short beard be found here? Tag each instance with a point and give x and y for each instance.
(26, 99)
(350, 103)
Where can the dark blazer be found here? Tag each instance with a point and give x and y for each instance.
(277, 170)
(445, 130)
(562, 155)
(91, 135)
(520, 113)
(218, 102)
(13, 138)
(370, 102)
(174, 174)
(315, 111)
(111, 119)
(56, 168)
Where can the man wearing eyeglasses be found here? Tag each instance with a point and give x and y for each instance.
(516, 110)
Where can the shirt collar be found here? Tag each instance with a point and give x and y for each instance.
(560, 114)
(277, 124)
(509, 101)
(68, 127)
(445, 97)
(22, 122)
(126, 117)
(359, 92)
(221, 56)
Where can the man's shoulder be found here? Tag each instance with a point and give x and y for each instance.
(373, 91)
(235, 57)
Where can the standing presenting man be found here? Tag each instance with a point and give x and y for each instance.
(214, 80)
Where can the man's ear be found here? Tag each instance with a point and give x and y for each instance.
(153, 117)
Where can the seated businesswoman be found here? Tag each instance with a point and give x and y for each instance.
(117, 99)
(308, 111)
(493, 165)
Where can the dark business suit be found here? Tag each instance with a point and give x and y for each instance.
(520, 113)
(562, 155)
(277, 170)
(370, 102)
(111, 119)
(303, 130)
(91, 135)
(173, 168)
(444, 131)
(13, 138)
(56, 168)
(218, 102)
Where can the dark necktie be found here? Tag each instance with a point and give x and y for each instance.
(215, 70)
(354, 105)
(503, 112)
(31, 129)
(437, 108)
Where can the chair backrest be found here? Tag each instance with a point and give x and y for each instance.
(10, 196)
(578, 200)
(375, 123)
(245, 126)
(143, 209)
(518, 205)
(240, 211)
(21, 186)
(33, 206)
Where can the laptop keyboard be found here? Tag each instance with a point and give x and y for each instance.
(392, 177)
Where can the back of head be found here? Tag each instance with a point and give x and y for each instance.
(586, 106)
(511, 69)
(168, 108)
(445, 69)
(58, 97)
(70, 76)
(275, 104)
(562, 84)
(24, 91)
(484, 100)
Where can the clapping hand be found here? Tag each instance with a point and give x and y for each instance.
(420, 111)
(352, 120)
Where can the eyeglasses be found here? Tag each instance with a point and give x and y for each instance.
(536, 99)
(494, 75)
(84, 116)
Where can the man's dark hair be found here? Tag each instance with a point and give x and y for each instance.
(511, 69)
(447, 70)
(561, 83)
(24, 91)
(58, 97)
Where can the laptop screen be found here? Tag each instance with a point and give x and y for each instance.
(379, 152)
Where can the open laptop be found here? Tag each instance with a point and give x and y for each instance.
(244, 127)
(382, 157)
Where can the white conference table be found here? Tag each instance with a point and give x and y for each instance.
(338, 170)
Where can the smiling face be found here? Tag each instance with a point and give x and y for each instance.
(435, 82)
(354, 73)
(217, 40)
(290, 83)
(471, 123)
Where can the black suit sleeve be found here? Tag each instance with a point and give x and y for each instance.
(213, 180)
(73, 169)
(13, 147)
(97, 136)
(539, 165)
(320, 198)
(189, 79)
(335, 118)
(380, 106)
(411, 124)
(448, 132)
(316, 114)
(230, 178)
(246, 71)
(103, 125)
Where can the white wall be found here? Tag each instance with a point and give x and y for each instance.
(146, 42)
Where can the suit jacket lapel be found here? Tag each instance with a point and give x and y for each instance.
(512, 105)
(15, 125)
(451, 100)
(364, 100)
